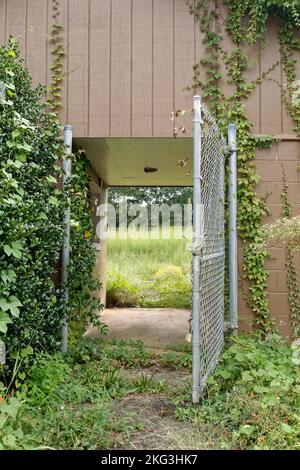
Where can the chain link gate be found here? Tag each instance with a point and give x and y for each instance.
(208, 247)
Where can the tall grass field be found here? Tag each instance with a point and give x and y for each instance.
(147, 272)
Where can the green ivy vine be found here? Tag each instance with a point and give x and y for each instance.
(31, 213)
(54, 101)
(246, 23)
(32, 205)
(289, 44)
(294, 290)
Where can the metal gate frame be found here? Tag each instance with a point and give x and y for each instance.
(199, 258)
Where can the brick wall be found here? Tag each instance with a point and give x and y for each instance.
(270, 163)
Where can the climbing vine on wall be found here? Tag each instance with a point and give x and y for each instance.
(294, 290)
(58, 52)
(289, 44)
(246, 23)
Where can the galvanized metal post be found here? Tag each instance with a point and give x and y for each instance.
(232, 194)
(2, 92)
(2, 353)
(196, 248)
(65, 257)
(103, 244)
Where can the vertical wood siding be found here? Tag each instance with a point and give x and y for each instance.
(129, 63)
(142, 66)
(121, 69)
(16, 22)
(100, 59)
(36, 43)
(3, 11)
(78, 65)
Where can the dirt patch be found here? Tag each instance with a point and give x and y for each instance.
(158, 428)
(156, 327)
(153, 415)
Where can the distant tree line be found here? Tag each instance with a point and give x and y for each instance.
(148, 196)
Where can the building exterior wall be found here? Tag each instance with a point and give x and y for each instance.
(127, 65)
(284, 155)
(127, 61)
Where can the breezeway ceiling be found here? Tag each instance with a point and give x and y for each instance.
(121, 161)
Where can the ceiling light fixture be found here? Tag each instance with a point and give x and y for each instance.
(149, 169)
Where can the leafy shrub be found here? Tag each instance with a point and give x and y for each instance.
(253, 396)
(32, 205)
(120, 293)
(84, 350)
(84, 304)
(31, 211)
(170, 288)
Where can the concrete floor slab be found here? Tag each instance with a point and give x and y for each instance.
(157, 327)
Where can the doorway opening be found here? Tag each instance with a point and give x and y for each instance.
(148, 291)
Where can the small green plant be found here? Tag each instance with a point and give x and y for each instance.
(174, 360)
(253, 396)
(21, 363)
(85, 350)
(13, 430)
(128, 353)
(46, 376)
(180, 347)
(146, 384)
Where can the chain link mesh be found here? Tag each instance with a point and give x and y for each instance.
(212, 256)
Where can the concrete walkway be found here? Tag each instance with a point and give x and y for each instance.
(157, 327)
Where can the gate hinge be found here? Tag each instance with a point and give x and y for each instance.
(228, 149)
(196, 250)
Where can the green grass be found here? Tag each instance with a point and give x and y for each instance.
(149, 273)
(81, 401)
